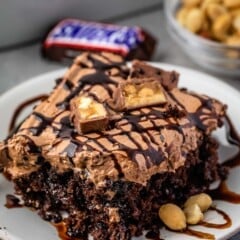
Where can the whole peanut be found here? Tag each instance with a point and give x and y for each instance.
(221, 26)
(203, 200)
(206, 3)
(214, 10)
(182, 15)
(193, 214)
(194, 20)
(172, 216)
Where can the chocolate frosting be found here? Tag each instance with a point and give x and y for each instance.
(136, 144)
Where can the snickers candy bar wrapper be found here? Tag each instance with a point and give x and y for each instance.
(71, 36)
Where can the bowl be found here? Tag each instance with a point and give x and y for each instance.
(214, 56)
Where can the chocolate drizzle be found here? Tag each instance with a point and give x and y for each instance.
(98, 78)
(232, 134)
(101, 65)
(142, 130)
(20, 108)
(199, 117)
(68, 85)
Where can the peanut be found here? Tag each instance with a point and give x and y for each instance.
(231, 3)
(193, 214)
(205, 3)
(182, 15)
(172, 216)
(194, 20)
(235, 12)
(221, 26)
(89, 108)
(214, 10)
(145, 92)
(85, 102)
(203, 200)
(130, 89)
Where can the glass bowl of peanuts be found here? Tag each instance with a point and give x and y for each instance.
(208, 31)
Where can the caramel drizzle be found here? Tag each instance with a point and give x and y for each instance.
(226, 224)
(198, 234)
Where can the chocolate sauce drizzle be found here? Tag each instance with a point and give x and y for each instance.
(152, 154)
(21, 107)
(199, 116)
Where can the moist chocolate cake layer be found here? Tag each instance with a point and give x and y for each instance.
(111, 144)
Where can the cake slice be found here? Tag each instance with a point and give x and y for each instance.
(110, 145)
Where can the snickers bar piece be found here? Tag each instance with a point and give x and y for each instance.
(137, 93)
(88, 115)
(110, 169)
(72, 36)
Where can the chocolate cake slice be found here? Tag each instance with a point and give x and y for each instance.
(110, 145)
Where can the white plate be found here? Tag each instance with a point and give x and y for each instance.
(23, 224)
